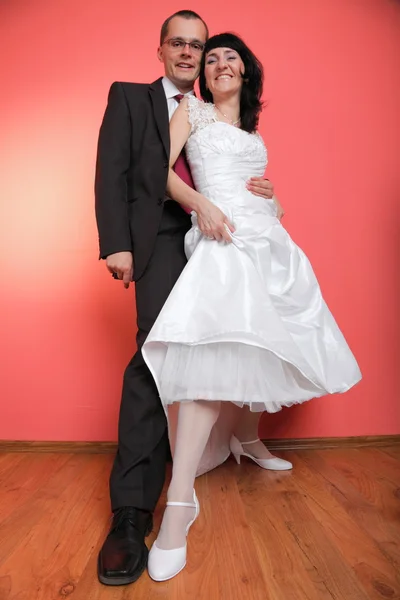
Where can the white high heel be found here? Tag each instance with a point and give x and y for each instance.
(271, 464)
(165, 564)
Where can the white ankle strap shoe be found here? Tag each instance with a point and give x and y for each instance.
(271, 464)
(165, 564)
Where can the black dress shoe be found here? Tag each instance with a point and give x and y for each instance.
(123, 557)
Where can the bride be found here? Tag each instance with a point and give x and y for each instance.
(245, 329)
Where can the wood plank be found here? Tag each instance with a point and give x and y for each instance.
(393, 451)
(378, 490)
(54, 535)
(323, 563)
(374, 572)
(238, 569)
(8, 462)
(328, 530)
(386, 533)
(380, 464)
(290, 573)
(25, 477)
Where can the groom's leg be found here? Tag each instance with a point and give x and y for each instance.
(139, 469)
(138, 472)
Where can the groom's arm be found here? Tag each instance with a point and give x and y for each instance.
(112, 165)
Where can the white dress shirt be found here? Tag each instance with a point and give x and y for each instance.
(171, 90)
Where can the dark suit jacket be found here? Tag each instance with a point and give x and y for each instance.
(132, 170)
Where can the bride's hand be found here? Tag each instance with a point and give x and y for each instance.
(213, 223)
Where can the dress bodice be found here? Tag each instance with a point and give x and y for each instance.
(223, 157)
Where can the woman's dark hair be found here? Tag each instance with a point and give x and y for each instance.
(253, 78)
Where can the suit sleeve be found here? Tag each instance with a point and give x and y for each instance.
(112, 165)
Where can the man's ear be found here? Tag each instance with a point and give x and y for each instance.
(159, 54)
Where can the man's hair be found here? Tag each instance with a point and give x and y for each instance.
(185, 14)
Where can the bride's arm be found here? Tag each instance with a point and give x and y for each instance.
(177, 189)
(211, 220)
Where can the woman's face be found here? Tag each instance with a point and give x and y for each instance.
(223, 71)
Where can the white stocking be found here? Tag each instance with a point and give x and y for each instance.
(195, 421)
(246, 430)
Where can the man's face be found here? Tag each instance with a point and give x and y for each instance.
(182, 64)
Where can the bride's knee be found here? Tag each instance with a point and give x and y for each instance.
(213, 407)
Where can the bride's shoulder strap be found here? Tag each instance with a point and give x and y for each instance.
(200, 114)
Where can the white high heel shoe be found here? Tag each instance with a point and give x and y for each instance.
(271, 464)
(165, 564)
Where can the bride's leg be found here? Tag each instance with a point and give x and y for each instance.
(195, 421)
(246, 430)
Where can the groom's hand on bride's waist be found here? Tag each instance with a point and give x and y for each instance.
(264, 188)
(259, 186)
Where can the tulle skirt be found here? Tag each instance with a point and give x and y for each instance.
(246, 323)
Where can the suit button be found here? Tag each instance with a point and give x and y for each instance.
(160, 201)
(165, 164)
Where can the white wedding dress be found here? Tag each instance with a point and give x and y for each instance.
(246, 322)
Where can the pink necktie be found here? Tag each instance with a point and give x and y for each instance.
(181, 167)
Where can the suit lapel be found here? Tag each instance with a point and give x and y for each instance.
(160, 110)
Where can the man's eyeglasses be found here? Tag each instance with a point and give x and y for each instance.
(178, 44)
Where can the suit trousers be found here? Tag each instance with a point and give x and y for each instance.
(138, 473)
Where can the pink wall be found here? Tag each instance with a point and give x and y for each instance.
(332, 127)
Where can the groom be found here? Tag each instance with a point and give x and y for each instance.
(141, 237)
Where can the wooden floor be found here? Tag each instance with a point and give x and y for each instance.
(329, 529)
